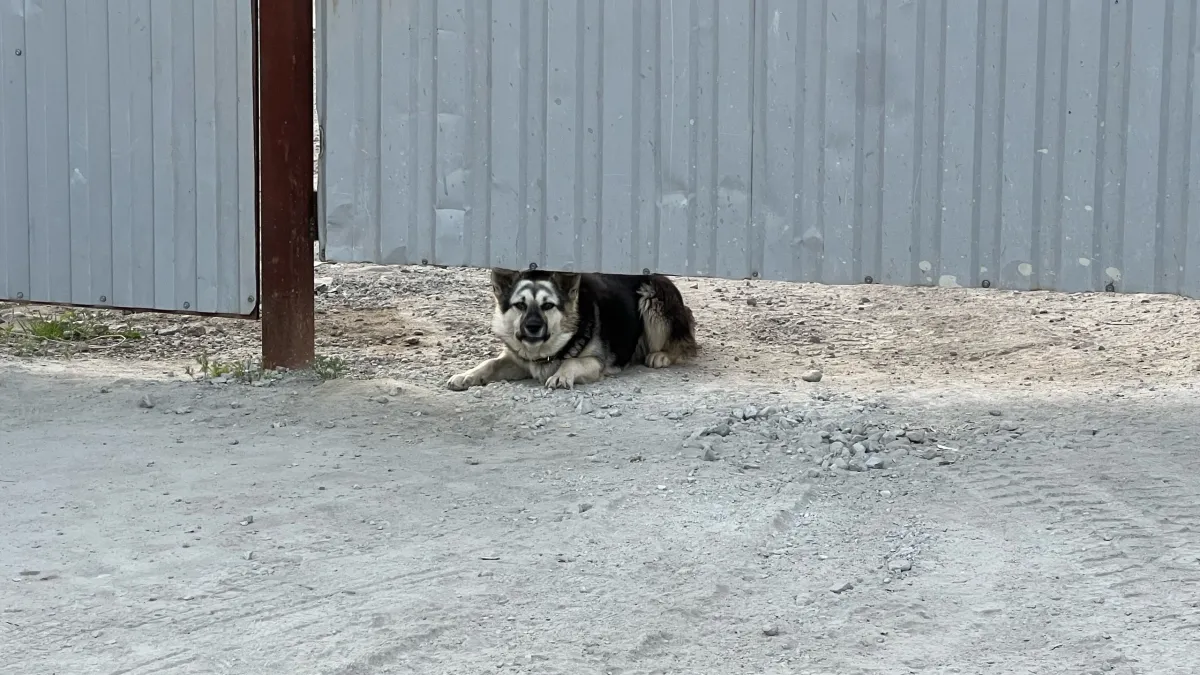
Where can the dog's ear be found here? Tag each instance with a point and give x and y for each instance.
(502, 282)
(568, 283)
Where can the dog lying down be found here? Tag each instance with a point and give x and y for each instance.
(564, 329)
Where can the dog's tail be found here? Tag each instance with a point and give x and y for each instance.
(670, 326)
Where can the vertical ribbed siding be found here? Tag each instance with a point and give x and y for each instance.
(127, 172)
(573, 134)
(1009, 143)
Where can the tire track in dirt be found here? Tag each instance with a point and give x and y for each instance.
(1127, 531)
(261, 600)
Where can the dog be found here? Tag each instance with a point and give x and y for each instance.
(565, 329)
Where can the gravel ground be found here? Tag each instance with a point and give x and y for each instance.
(424, 323)
(980, 482)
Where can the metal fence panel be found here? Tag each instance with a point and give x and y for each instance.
(578, 135)
(127, 174)
(1021, 144)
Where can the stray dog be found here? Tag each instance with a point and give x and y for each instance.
(564, 329)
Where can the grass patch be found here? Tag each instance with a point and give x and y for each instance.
(251, 370)
(72, 326)
(65, 332)
(247, 371)
(329, 367)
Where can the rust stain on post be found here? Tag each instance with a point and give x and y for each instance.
(285, 85)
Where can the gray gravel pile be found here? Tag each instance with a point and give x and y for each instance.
(853, 443)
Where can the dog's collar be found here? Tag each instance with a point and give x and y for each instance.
(577, 344)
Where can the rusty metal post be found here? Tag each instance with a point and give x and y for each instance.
(285, 86)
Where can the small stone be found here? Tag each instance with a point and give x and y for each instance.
(585, 507)
(721, 430)
(412, 341)
(710, 455)
(322, 284)
(899, 565)
(840, 463)
(105, 390)
(811, 439)
(249, 555)
(770, 630)
(812, 376)
(915, 435)
(994, 413)
(750, 412)
(585, 407)
(752, 301)
(856, 465)
(235, 405)
(1009, 425)
(234, 442)
(874, 462)
(168, 331)
(382, 399)
(886, 494)
(247, 520)
(196, 331)
(841, 587)
(146, 402)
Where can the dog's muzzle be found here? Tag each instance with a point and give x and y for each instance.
(533, 328)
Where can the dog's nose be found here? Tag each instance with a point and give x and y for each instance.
(534, 324)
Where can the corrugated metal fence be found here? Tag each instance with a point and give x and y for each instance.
(127, 174)
(1005, 143)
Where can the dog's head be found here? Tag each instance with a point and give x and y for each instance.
(537, 312)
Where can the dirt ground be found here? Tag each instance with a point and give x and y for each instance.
(981, 482)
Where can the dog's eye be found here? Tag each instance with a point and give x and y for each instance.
(547, 306)
(519, 306)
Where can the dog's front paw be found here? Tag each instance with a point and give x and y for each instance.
(560, 380)
(658, 360)
(462, 381)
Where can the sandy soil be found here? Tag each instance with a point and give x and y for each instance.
(982, 482)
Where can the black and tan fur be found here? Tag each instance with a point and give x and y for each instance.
(564, 329)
